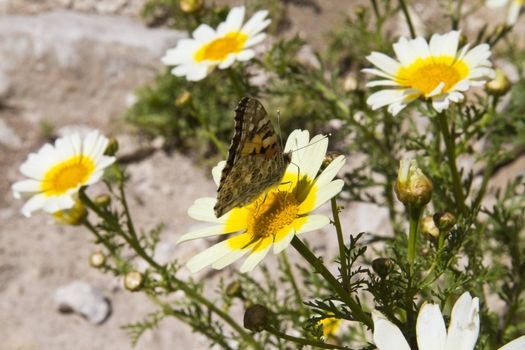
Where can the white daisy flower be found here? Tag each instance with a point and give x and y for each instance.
(514, 8)
(275, 217)
(462, 334)
(56, 172)
(208, 48)
(434, 70)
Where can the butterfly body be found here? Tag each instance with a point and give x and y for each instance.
(256, 161)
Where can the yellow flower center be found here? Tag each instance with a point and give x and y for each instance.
(271, 216)
(426, 74)
(330, 326)
(67, 174)
(220, 48)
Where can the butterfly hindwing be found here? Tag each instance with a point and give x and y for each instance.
(255, 160)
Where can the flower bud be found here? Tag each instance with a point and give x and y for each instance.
(183, 98)
(360, 10)
(133, 281)
(191, 6)
(97, 260)
(412, 187)
(112, 147)
(428, 227)
(256, 318)
(383, 266)
(103, 200)
(234, 290)
(350, 83)
(72, 216)
(500, 85)
(444, 221)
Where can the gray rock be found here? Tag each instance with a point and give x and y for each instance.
(9, 137)
(72, 66)
(83, 299)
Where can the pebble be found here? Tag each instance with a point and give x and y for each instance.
(83, 299)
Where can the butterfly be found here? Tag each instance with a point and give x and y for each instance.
(256, 161)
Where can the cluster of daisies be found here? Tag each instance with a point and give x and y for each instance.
(438, 71)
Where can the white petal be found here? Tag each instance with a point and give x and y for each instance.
(313, 156)
(199, 72)
(204, 33)
(256, 23)
(104, 162)
(330, 171)
(202, 233)
(233, 22)
(496, 3)
(35, 203)
(378, 73)
(245, 55)
(202, 210)
(281, 245)
(227, 62)
(516, 344)
(253, 259)
(430, 328)
(313, 223)
(255, 40)
(437, 90)
(385, 82)
(229, 258)
(386, 335)
(440, 103)
(326, 192)
(514, 12)
(384, 62)
(208, 256)
(296, 142)
(404, 52)
(216, 172)
(29, 185)
(57, 203)
(463, 329)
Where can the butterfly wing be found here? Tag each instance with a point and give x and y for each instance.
(255, 158)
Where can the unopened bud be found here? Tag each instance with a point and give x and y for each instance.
(444, 221)
(382, 266)
(412, 187)
(500, 85)
(97, 260)
(256, 318)
(133, 281)
(191, 6)
(350, 83)
(112, 147)
(183, 98)
(234, 290)
(360, 10)
(428, 227)
(102, 200)
(72, 216)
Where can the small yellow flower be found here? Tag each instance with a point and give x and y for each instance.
(56, 172)
(330, 326)
(434, 70)
(208, 48)
(275, 217)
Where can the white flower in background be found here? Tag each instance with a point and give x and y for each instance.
(434, 70)
(273, 219)
(514, 8)
(56, 172)
(462, 333)
(208, 48)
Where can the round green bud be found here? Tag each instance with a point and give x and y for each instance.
(256, 318)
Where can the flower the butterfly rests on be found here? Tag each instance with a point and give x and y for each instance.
(277, 213)
(208, 48)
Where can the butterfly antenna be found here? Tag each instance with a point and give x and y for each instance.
(311, 144)
(279, 127)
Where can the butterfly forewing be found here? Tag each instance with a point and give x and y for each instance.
(256, 161)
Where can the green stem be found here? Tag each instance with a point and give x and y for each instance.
(239, 90)
(451, 158)
(316, 263)
(316, 344)
(404, 8)
(414, 218)
(291, 277)
(341, 243)
(487, 173)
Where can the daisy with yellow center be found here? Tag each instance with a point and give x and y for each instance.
(56, 172)
(514, 8)
(208, 48)
(434, 71)
(275, 217)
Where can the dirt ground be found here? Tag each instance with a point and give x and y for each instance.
(76, 63)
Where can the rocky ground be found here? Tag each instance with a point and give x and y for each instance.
(75, 64)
